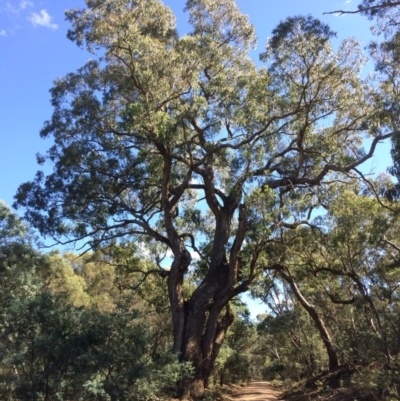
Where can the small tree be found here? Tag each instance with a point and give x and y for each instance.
(184, 144)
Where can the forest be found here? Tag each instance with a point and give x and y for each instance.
(185, 175)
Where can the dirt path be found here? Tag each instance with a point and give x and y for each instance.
(256, 391)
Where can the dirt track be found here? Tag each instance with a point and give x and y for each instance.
(256, 391)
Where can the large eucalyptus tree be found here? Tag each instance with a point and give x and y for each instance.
(183, 144)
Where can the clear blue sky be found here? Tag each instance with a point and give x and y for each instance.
(34, 51)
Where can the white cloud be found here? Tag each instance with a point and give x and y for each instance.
(42, 19)
(23, 5)
(3, 32)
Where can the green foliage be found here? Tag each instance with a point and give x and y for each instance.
(183, 146)
(346, 274)
(119, 118)
(19, 261)
(59, 340)
(56, 351)
(51, 349)
(12, 229)
(239, 359)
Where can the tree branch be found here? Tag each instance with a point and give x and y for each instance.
(366, 9)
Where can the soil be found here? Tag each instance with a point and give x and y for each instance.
(255, 391)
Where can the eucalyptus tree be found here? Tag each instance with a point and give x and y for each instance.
(386, 54)
(19, 260)
(184, 145)
(12, 228)
(387, 61)
(385, 12)
(343, 271)
(291, 345)
(359, 259)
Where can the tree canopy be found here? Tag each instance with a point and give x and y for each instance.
(186, 146)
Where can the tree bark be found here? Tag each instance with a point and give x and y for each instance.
(204, 331)
(200, 330)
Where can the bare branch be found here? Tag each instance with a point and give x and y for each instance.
(361, 9)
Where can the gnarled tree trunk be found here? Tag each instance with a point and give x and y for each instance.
(201, 322)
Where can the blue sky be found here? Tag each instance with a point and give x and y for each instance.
(34, 51)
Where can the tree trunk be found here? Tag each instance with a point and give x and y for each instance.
(200, 325)
(194, 348)
(204, 330)
(199, 328)
(323, 331)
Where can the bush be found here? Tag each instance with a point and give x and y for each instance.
(53, 351)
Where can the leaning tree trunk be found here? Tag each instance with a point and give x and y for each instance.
(333, 359)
